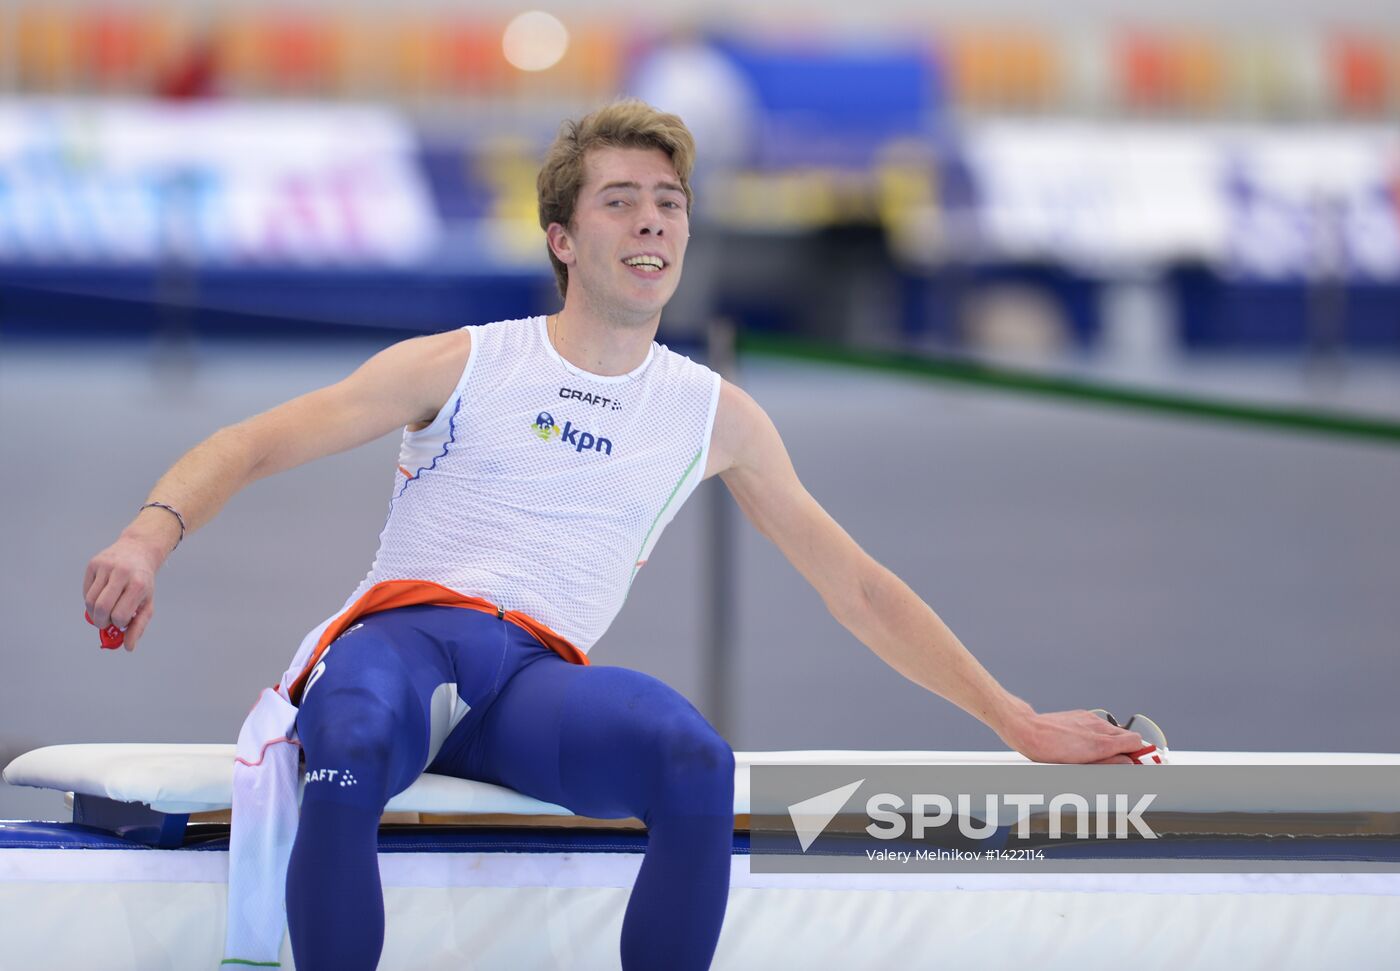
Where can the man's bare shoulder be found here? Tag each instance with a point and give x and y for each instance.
(408, 382)
(739, 420)
(451, 346)
(432, 365)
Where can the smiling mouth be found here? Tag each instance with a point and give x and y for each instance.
(647, 264)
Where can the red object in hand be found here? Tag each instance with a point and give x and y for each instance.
(1148, 755)
(111, 637)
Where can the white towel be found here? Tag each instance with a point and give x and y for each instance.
(265, 808)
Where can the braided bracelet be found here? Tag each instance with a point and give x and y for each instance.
(174, 512)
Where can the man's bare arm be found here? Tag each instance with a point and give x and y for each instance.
(405, 384)
(875, 605)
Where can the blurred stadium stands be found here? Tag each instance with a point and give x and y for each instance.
(1306, 62)
(927, 164)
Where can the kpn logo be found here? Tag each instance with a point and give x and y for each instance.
(893, 816)
(547, 429)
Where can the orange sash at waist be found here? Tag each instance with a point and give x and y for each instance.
(389, 594)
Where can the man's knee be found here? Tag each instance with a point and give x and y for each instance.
(695, 746)
(694, 764)
(350, 727)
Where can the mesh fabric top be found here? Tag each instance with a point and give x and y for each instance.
(542, 487)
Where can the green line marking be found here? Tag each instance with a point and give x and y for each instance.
(252, 964)
(1337, 424)
(664, 506)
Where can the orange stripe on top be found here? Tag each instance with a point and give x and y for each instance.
(389, 594)
(407, 474)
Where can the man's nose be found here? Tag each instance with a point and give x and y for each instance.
(649, 220)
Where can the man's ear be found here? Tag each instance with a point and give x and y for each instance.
(560, 244)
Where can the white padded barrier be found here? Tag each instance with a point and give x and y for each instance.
(173, 778)
(560, 908)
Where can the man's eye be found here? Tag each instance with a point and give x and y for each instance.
(673, 204)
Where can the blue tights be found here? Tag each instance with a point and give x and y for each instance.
(600, 741)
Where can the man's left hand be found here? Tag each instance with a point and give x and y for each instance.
(1072, 737)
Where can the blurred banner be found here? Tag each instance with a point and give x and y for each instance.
(1267, 203)
(208, 183)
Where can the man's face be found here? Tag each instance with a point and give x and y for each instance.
(627, 243)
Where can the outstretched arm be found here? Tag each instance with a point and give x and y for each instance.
(405, 384)
(875, 605)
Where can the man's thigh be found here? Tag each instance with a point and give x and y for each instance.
(587, 738)
(400, 674)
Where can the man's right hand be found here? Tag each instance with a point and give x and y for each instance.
(407, 384)
(120, 583)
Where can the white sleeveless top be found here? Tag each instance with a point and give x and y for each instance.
(542, 487)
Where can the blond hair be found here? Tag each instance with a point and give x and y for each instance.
(623, 124)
